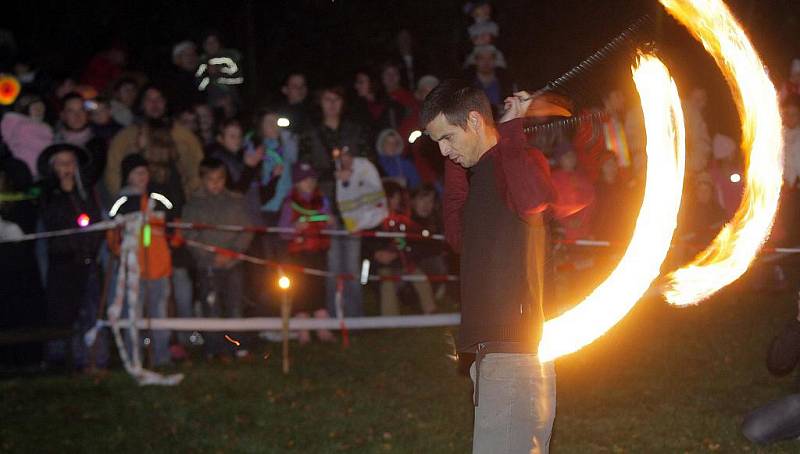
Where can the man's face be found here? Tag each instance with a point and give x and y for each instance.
(74, 115)
(231, 138)
(295, 89)
(153, 104)
(457, 144)
(187, 59)
(791, 117)
(65, 165)
(126, 94)
(214, 181)
(331, 104)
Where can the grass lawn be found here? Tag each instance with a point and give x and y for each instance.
(664, 380)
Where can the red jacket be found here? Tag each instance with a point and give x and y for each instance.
(523, 180)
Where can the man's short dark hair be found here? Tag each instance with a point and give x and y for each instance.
(455, 99)
(208, 165)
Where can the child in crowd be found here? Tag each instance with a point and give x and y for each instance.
(220, 275)
(242, 166)
(279, 148)
(428, 255)
(393, 256)
(391, 159)
(308, 211)
(155, 262)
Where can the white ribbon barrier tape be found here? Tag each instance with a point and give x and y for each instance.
(295, 324)
(98, 226)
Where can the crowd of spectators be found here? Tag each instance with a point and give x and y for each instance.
(186, 145)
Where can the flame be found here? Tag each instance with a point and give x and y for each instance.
(656, 223)
(732, 251)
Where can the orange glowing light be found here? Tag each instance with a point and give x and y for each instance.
(9, 89)
(656, 223)
(735, 247)
(232, 340)
(284, 283)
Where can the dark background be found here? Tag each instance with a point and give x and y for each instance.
(330, 39)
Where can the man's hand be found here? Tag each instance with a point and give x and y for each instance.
(516, 106)
(522, 105)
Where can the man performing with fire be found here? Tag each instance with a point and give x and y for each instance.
(496, 188)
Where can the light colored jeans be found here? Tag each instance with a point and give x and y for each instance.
(344, 257)
(516, 406)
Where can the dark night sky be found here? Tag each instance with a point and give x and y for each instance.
(329, 39)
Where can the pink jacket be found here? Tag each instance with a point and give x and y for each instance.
(25, 137)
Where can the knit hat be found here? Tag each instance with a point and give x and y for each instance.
(499, 58)
(129, 163)
(44, 161)
(182, 46)
(303, 170)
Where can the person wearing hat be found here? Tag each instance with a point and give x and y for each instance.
(155, 263)
(68, 201)
(178, 81)
(307, 211)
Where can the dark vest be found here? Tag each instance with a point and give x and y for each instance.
(501, 261)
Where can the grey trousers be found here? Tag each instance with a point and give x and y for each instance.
(517, 404)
